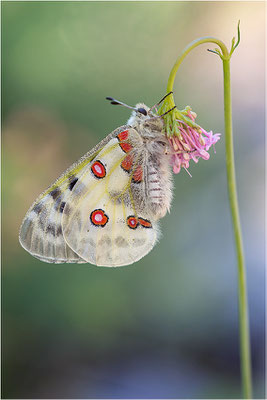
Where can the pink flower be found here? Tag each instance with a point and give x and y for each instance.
(189, 142)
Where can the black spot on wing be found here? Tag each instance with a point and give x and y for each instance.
(73, 182)
(59, 230)
(55, 193)
(51, 229)
(41, 224)
(54, 230)
(62, 205)
(37, 208)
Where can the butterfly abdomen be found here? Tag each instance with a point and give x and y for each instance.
(159, 185)
(156, 165)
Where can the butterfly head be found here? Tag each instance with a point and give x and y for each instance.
(142, 116)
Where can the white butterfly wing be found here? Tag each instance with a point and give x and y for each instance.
(90, 214)
(41, 230)
(101, 221)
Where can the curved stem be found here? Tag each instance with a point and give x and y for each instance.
(245, 359)
(187, 50)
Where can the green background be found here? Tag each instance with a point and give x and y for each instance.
(167, 326)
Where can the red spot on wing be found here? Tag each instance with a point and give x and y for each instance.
(145, 223)
(127, 163)
(98, 217)
(138, 174)
(123, 135)
(132, 222)
(98, 169)
(126, 147)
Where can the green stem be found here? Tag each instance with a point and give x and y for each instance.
(187, 50)
(245, 361)
(232, 192)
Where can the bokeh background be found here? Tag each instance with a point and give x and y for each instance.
(167, 326)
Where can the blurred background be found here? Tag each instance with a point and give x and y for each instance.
(167, 326)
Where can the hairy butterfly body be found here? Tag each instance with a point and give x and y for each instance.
(105, 208)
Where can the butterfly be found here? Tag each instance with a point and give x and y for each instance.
(104, 210)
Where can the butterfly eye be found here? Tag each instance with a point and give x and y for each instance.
(142, 111)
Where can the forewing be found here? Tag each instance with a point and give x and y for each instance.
(102, 222)
(41, 230)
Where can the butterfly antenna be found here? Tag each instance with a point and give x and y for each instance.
(167, 112)
(117, 102)
(163, 98)
(162, 115)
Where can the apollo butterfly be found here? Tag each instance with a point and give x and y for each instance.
(105, 208)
